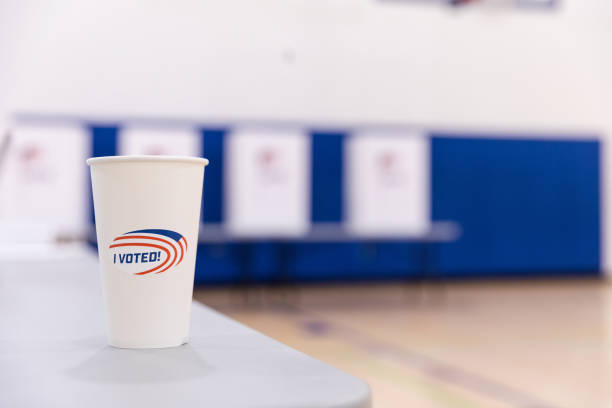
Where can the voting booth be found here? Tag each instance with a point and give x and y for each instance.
(267, 180)
(387, 183)
(44, 182)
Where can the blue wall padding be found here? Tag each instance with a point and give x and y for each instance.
(266, 262)
(212, 201)
(103, 140)
(525, 206)
(352, 260)
(237, 263)
(327, 179)
(217, 263)
(103, 143)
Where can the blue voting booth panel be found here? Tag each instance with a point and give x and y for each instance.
(525, 206)
(212, 199)
(327, 176)
(103, 143)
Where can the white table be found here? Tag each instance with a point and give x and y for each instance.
(53, 354)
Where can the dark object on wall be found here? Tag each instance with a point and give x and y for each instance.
(500, 4)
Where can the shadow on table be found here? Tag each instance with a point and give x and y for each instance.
(112, 365)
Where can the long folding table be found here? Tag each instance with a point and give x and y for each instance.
(53, 353)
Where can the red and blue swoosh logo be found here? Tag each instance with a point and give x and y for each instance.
(148, 251)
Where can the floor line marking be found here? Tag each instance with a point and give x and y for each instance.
(431, 367)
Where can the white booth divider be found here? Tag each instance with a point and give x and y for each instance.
(44, 182)
(267, 182)
(159, 140)
(387, 182)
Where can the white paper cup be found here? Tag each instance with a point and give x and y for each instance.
(147, 211)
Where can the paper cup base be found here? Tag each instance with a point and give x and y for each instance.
(127, 345)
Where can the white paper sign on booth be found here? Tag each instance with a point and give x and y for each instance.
(44, 181)
(267, 179)
(388, 183)
(159, 140)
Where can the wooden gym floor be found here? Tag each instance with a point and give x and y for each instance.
(520, 344)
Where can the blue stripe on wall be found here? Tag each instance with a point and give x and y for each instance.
(103, 143)
(104, 140)
(327, 176)
(525, 206)
(212, 201)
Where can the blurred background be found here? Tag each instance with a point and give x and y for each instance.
(412, 190)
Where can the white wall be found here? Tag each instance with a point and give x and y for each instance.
(340, 61)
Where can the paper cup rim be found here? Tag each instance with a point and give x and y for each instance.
(147, 159)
